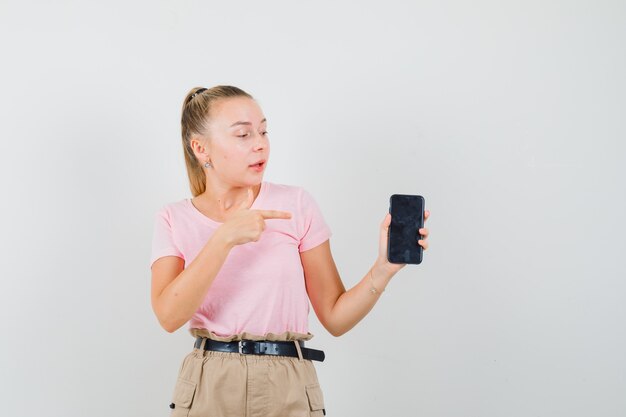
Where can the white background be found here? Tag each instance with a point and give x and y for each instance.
(508, 117)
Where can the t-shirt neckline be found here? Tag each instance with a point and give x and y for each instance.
(199, 215)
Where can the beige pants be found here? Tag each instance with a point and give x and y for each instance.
(225, 384)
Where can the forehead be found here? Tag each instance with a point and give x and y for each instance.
(230, 110)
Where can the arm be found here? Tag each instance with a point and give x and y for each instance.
(337, 309)
(177, 292)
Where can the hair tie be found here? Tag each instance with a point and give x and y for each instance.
(200, 90)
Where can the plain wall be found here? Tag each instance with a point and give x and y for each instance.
(508, 117)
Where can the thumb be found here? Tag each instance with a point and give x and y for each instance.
(247, 203)
(386, 222)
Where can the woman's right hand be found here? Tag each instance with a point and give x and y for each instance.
(245, 225)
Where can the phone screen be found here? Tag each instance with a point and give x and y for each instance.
(407, 217)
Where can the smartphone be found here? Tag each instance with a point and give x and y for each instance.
(407, 217)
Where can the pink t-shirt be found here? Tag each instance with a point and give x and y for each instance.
(260, 288)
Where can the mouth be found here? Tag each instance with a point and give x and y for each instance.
(259, 164)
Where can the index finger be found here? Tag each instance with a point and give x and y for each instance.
(275, 214)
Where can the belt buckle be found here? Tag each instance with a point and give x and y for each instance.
(243, 343)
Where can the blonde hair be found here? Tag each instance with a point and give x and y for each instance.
(195, 115)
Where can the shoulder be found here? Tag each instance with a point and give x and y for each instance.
(291, 197)
(284, 192)
(279, 188)
(286, 189)
(172, 209)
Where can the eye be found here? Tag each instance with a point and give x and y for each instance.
(243, 136)
(265, 133)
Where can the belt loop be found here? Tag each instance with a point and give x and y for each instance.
(204, 341)
(298, 349)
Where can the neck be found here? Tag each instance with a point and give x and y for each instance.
(222, 197)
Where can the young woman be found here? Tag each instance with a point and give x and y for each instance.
(240, 261)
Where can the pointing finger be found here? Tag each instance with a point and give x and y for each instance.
(275, 214)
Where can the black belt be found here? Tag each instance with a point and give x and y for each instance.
(261, 347)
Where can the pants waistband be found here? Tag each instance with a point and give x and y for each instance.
(261, 347)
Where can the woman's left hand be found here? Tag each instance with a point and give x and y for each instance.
(382, 249)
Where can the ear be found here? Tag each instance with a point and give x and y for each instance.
(200, 147)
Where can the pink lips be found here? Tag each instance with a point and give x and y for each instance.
(258, 167)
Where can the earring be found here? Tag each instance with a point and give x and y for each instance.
(208, 164)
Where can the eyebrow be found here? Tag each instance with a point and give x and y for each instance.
(245, 123)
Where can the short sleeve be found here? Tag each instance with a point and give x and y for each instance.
(162, 238)
(312, 226)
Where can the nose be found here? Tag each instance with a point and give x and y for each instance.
(260, 141)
